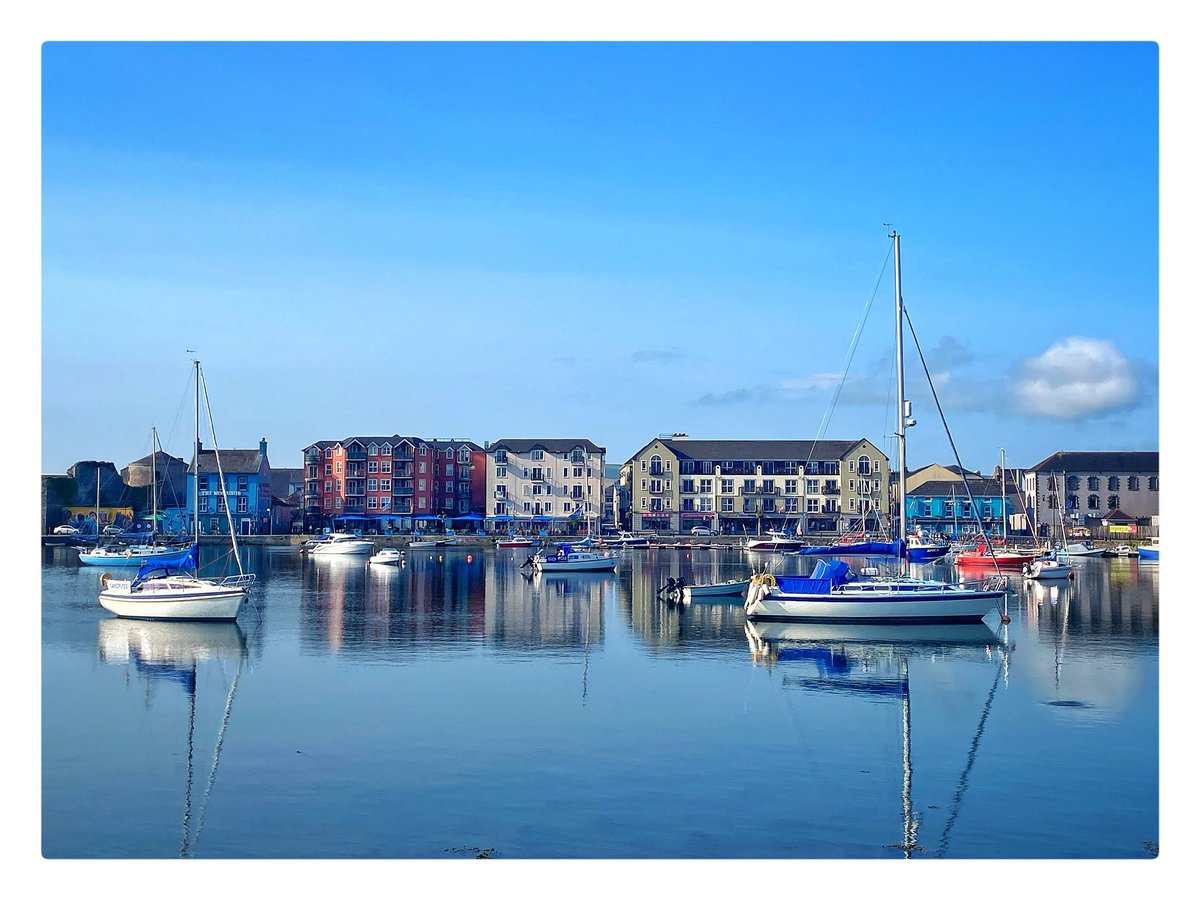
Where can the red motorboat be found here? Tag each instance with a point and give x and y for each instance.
(1005, 559)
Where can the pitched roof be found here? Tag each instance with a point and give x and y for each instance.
(235, 462)
(1119, 515)
(161, 458)
(980, 487)
(554, 445)
(755, 449)
(1099, 461)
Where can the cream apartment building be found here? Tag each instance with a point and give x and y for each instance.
(751, 486)
(542, 479)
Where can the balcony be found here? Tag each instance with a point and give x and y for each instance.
(354, 489)
(312, 459)
(356, 454)
(657, 470)
(831, 490)
(402, 491)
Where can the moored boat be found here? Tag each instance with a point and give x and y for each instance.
(724, 590)
(341, 544)
(388, 556)
(570, 559)
(173, 589)
(1047, 569)
(1149, 550)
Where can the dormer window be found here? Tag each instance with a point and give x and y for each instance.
(373, 450)
(329, 453)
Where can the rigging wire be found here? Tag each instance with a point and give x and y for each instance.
(953, 447)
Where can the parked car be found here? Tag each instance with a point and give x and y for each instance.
(112, 529)
(702, 531)
(66, 529)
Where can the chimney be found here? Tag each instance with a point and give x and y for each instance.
(262, 447)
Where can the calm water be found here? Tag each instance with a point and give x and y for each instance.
(453, 707)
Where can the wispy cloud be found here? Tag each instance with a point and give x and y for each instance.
(1077, 378)
(657, 355)
(755, 394)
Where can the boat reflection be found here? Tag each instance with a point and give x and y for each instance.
(873, 660)
(166, 651)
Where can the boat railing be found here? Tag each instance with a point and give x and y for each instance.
(238, 580)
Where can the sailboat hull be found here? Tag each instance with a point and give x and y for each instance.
(894, 606)
(175, 598)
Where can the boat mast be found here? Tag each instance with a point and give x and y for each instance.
(196, 467)
(153, 486)
(901, 417)
(1003, 500)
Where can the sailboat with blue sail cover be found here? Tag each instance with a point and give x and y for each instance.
(170, 586)
(834, 593)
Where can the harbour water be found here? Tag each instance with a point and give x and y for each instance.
(457, 708)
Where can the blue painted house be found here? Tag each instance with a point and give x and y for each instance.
(942, 506)
(247, 476)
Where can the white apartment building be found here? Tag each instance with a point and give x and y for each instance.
(543, 480)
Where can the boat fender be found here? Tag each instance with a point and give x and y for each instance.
(104, 580)
(768, 580)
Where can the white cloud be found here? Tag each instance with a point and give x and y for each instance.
(1077, 378)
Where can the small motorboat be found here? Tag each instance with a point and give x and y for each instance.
(340, 544)
(725, 590)
(1047, 568)
(514, 541)
(388, 556)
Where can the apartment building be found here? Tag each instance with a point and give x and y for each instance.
(752, 486)
(1087, 487)
(543, 479)
(395, 479)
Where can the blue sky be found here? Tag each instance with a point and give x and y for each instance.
(491, 240)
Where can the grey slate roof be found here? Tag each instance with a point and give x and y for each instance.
(765, 449)
(553, 445)
(980, 487)
(233, 462)
(1135, 461)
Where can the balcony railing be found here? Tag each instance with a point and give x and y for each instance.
(831, 490)
(356, 454)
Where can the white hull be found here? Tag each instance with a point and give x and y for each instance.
(971, 634)
(343, 548)
(1052, 570)
(729, 590)
(175, 598)
(874, 602)
(608, 564)
(386, 558)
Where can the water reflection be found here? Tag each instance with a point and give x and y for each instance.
(873, 662)
(172, 653)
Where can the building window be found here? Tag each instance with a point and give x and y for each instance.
(727, 504)
(1072, 483)
(706, 485)
(706, 504)
(1093, 482)
(328, 486)
(337, 467)
(329, 503)
(420, 484)
(421, 466)
(1114, 483)
(329, 453)
(421, 502)
(536, 455)
(373, 465)
(747, 485)
(385, 484)
(645, 501)
(385, 467)
(768, 486)
(875, 466)
(328, 468)
(501, 457)
(576, 472)
(385, 502)
(372, 484)
(243, 504)
(1113, 501)
(373, 450)
(727, 486)
(1153, 485)
(1093, 501)
(1132, 483)
(371, 503)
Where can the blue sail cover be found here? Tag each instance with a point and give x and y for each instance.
(183, 561)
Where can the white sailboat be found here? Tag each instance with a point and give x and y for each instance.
(574, 557)
(834, 593)
(170, 587)
(341, 544)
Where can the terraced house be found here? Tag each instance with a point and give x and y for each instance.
(540, 480)
(247, 477)
(392, 480)
(752, 486)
